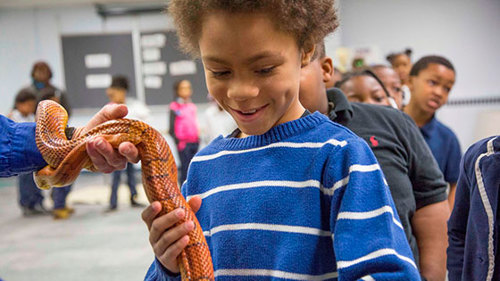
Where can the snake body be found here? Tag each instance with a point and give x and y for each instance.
(66, 158)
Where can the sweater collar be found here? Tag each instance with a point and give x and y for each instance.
(275, 134)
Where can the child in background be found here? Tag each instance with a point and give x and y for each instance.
(184, 125)
(401, 62)
(473, 230)
(391, 82)
(30, 196)
(117, 93)
(413, 176)
(365, 87)
(59, 194)
(431, 80)
(289, 194)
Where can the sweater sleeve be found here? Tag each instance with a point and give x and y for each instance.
(157, 272)
(18, 151)
(369, 241)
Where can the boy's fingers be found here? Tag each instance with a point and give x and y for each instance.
(150, 213)
(195, 203)
(171, 254)
(162, 223)
(172, 235)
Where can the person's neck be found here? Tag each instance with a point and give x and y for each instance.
(419, 116)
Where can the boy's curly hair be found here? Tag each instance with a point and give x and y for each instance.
(309, 21)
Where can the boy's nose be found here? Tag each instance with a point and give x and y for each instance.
(242, 91)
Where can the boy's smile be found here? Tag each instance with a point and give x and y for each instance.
(252, 69)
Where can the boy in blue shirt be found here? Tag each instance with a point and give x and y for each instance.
(431, 80)
(289, 194)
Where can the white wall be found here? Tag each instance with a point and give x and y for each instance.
(466, 32)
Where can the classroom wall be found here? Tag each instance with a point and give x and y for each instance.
(31, 34)
(464, 31)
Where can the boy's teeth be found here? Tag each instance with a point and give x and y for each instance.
(249, 112)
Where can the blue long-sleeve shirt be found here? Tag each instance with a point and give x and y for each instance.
(18, 151)
(305, 201)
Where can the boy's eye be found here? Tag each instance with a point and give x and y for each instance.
(266, 70)
(447, 89)
(220, 73)
(432, 82)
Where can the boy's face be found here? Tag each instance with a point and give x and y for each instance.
(116, 95)
(364, 89)
(184, 90)
(402, 66)
(252, 69)
(312, 93)
(392, 83)
(27, 107)
(431, 87)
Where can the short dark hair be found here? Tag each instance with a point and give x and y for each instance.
(319, 52)
(407, 52)
(24, 95)
(424, 62)
(41, 64)
(120, 81)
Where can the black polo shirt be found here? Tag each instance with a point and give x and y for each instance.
(409, 167)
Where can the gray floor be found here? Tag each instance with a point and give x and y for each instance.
(91, 245)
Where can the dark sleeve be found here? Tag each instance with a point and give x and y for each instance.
(427, 180)
(457, 225)
(452, 169)
(18, 151)
(65, 102)
(171, 127)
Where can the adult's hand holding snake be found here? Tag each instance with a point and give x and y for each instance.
(103, 156)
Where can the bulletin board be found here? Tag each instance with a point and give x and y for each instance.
(91, 60)
(168, 64)
(89, 63)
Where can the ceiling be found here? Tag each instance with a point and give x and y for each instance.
(45, 3)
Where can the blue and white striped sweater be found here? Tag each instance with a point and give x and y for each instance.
(305, 201)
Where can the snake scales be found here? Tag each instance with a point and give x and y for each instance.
(66, 158)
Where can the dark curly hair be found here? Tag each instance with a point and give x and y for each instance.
(309, 21)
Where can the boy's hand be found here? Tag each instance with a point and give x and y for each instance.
(103, 156)
(168, 240)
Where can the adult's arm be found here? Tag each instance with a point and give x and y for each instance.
(19, 153)
(429, 227)
(429, 189)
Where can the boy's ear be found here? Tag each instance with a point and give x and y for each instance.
(327, 69)
(307, 54)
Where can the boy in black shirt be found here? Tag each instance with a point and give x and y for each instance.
(414, 178)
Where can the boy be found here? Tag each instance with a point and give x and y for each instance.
(117, 94)
(289, 194)
(412, 174)
(431, 80)
(473, 253)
